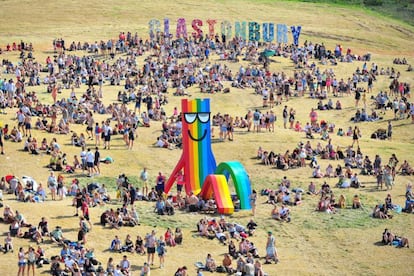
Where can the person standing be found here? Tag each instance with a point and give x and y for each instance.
(355, 136)
(132, 194)
(285, 115)
(370, 83)
(83, 230)
(54, 93)
(292, 114)
(97, 131)
(107, 135)
(52, 184)
(90, 158)
(144, 178)
(90, 121)
(148, 101)
(1, 140)
(253, 198)
(180, 181)
(138, 100)
(161, 250)
(389, 130)
(79, 201)
(150, 242)
(412, 112)
(357, 97)
(85, 212)
(21, 262)
(160, 183)
(271, 252)
(256, 120)
(131, 136)
(97, 161)
(31, 260)
(83, 159)
(313, 115)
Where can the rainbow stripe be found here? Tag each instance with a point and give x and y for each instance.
(216, 185)
(199, 160)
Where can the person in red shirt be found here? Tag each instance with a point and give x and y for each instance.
(85, 212)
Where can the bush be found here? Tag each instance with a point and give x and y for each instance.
(373, 2)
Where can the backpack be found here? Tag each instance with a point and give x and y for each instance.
(220, 269)
(256, 116)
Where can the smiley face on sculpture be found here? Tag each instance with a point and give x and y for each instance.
(197, 159)
(197, 165)
(197, 118)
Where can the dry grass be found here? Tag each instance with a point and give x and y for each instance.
(313, 243)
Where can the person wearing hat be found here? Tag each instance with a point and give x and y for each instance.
(271, 252)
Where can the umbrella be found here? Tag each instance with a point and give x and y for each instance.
(268, 53)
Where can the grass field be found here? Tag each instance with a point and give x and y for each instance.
(313, 243)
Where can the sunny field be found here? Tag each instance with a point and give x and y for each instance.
(313, 243)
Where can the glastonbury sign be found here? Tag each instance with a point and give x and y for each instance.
(252, 30)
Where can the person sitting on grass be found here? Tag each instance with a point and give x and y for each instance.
(115, 244)
(405, 169)
(129, 245)
(285, 213)
(378, 212)
(325, 205)
(312, 189)
(57, 235)
(342, 202)
(227, 263)
(251, 227)
(210, 263)
(355, 182)
(356, 202)
(8, 243)
(317, 173)
(275, 213)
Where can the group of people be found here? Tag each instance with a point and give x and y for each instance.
(148, 84)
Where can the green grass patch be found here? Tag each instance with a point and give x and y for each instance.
(401, 10)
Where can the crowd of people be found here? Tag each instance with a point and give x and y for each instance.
(178, 65)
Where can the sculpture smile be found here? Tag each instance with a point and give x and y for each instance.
(199, 139)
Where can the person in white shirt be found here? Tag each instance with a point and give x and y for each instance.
(90, 158)
(107, 136)
(83, 158)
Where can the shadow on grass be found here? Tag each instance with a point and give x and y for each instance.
(67, 230)
(138, 267)
(401, 125)
(242, 131)
(379, 243)
(63, 217)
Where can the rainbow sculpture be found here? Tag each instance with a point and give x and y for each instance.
(201, 175)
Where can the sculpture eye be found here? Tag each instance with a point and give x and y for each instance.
(204, 117)
(190, 117)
